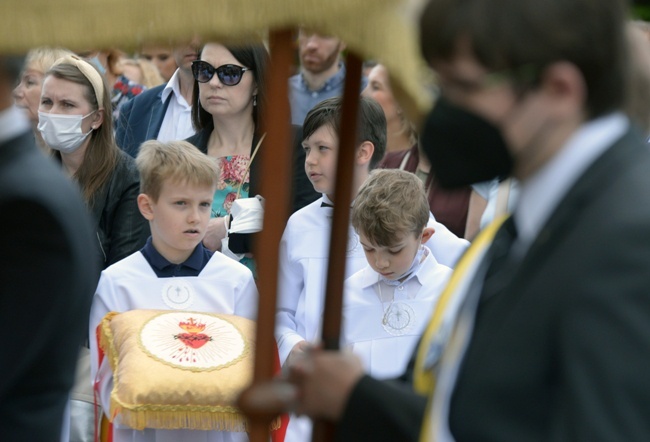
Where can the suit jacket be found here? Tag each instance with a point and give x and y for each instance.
(383, 411)
(47, 280)
(562, 352)
(140, 119)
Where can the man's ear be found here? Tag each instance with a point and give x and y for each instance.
(145, 206)
(365, 152)
(565, 84)
(427, 233)
(98, 119)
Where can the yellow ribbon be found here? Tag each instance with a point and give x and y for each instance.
(424, 380)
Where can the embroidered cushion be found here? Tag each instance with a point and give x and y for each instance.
(175, 369)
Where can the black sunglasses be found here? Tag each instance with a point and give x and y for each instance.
(228, 74)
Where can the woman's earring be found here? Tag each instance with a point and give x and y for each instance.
(254, 100)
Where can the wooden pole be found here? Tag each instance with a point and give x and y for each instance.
(324, 431)
(275, 183)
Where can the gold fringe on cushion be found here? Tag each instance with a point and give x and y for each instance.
(196, 418)
(181, 417)
(106, 339)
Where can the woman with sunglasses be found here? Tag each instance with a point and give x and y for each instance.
(227, 107)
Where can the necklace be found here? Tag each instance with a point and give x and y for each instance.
(398, 318)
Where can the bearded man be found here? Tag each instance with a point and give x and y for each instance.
(322, 73)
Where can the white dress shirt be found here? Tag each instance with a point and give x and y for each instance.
(177, 123)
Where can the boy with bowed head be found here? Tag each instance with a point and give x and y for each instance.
(387, 303)
(177, 186)
(304, 245)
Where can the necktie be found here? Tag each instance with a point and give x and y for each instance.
(494, 273)
(499, 271)
(324, 204)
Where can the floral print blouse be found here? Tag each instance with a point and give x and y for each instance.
(232, 177)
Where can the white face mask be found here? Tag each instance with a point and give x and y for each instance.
(62, 132)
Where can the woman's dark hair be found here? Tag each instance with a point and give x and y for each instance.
(253, 56)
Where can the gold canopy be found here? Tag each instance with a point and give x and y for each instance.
(382, 30)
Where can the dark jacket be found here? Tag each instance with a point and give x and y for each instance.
(47, 280)
(120, 228)
(140, 119)
(562, 351)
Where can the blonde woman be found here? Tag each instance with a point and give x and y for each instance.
(27, 95)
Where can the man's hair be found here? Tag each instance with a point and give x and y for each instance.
(638, 97)
(515, 35)
(371, 123)
(390, 203)
(177, 161)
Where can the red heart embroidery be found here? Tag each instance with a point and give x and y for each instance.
(194, 340)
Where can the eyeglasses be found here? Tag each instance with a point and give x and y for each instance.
(228, 74)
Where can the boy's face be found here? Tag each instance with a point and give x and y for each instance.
(392, 262)
(321, 150)
(179, 219)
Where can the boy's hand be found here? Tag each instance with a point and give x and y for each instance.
(325, 380)
(298, 351)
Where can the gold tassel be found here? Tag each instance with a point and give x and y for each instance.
(187, 418)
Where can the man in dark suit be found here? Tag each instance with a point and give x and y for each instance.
(552, 340)
(559, 331)
(164, 112)
(47, 278)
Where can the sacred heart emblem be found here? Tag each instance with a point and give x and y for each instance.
(192, 340)
(193, 336)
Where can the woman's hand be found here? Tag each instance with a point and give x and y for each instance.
(216, 232)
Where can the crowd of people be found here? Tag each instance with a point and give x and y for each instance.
(498, 256)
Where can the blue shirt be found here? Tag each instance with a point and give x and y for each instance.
(192, 266)
(302, 99)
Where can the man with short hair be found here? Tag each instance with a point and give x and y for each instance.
(164, 112)
(557, 316)
(322, 73)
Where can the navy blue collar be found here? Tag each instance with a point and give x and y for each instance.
(192, 266)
